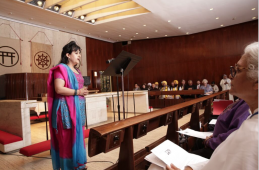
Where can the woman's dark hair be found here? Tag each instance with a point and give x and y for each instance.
(68, 48)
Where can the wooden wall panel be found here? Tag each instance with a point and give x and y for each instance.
(98, 52)
(203, 55)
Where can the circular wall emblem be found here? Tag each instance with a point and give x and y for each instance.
(8, 56)
(42, 60)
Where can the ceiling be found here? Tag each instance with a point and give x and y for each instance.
(124, 20)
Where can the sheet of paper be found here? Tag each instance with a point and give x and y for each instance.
(213, 122)
(169, 153)
(155, 167)
(155, 160)
(194, 133)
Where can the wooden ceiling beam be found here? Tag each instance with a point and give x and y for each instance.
(98, 5)
(50, 3)
(112, 10)
(73, 4)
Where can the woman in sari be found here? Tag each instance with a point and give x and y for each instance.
(66, 104)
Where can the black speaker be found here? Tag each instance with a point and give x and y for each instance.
(87, 80)
(124, 43)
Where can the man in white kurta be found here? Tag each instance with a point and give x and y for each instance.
(238, 152)
(225, 83)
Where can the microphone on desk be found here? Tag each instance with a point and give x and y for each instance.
(110, 60)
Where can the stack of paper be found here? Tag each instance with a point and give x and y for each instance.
(167, 153)
(213, 122)
(194, 133)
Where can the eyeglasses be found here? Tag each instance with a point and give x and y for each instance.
(233, 70)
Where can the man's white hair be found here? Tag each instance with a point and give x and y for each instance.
(251, 52)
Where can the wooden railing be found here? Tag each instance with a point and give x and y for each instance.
(121, 133)
(155, 102)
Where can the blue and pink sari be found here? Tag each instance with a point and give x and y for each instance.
(66, 121)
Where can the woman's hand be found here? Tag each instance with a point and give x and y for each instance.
(207, 140)
(83, 91)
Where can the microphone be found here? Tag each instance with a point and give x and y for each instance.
(110, 60)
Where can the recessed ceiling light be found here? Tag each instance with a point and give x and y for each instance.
(166, 35)
(211, 9)
(217, 18)
(82, 17)
(136, 33)
(123, 28)
(31, 18)
(222, 25)
(156, 31)
(40, 3)
(187, 33)
(147, 37)
(253, 8)
(131, 39)
(254, 18)
(169, 20)
(120, 35)
(93, 21)
(106, 31)
(179, 27)
(144, 25)
(69, 13)
(56, 8)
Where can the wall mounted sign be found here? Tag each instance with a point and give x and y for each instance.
(9, 57)
(42, 60)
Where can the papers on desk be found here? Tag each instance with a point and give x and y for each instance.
(213, 122)
(167, 153)
(194, 133)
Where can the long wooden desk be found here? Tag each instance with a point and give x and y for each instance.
(121, 133)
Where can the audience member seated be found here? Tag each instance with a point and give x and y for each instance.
(136, 87)
(198, 84)
(189, 86)
(214, 87)
(174, 87)
(157, 85)
(240, 149)
(227, 122)
(164, 88)
(143, 87)
(206, 87)
(182, 85)
(154, 88)
(149, 86)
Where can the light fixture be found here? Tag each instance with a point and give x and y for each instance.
(93, 21)
(217, 18)
(254, 18)
(39, 3)
(169, 20)
(31, 18)
(147, 37)
(89, 33)
(211, 9)
(144, 25)
(136, 33)
(179, 27)
(56, 8)
(69, 13)
(82, 17)
(166, 35)
(187, 33)
(131, 39)
(106, 31)
(123, 28)
(119, 35)
(222, 25)
(156, 31)
(253, 9)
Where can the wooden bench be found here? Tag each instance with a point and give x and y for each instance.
(108, 137)
(162, 103)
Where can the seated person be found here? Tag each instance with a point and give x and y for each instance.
(189, 86)
(157, 85)
(206, 87)
(154, 88)
(228, 121)
(164, 88)
(198, 84)
(149, 86)
(136, 87)
(143, 87)
(182, 85)
(214, 87)
(240, 149)
(174, 87)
